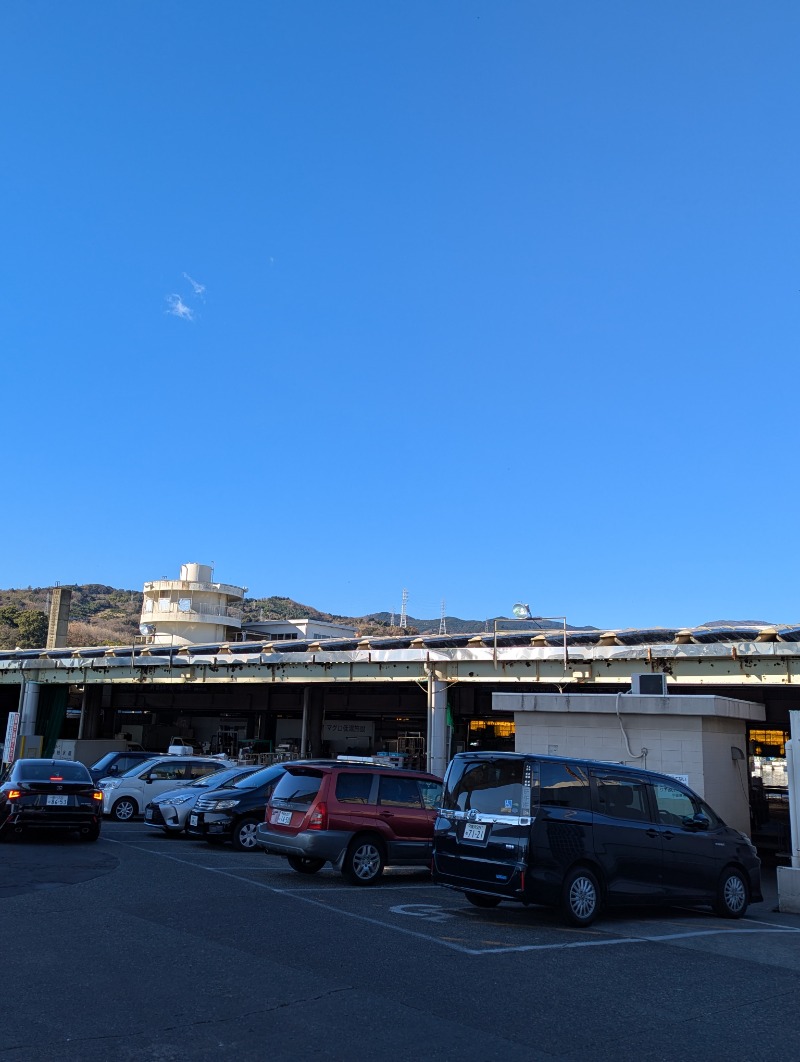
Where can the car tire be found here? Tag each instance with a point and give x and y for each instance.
(363, 861)
(124, 809)
(91, 834)
(580, 897)
(732, 894)
(479, 900)
(244, 835)
(305, 864)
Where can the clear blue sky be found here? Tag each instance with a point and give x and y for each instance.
(501, 302)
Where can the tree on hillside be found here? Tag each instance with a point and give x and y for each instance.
(32, 629)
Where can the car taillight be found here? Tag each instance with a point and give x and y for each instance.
(319, 818)
(14, 794)
(98, 794)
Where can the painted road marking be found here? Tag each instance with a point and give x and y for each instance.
(449, 942)
(431, 912)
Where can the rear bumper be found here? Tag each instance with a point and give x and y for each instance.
(314, 844)
(504, 880)
(70, 819)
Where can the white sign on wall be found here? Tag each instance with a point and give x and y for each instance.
(342, 734)
(12, 732)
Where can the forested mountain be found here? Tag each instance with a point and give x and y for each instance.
(105, 615)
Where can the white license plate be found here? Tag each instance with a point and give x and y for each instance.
(60, 800)
(474, 831)
(282, 818)
(148, 813)
(192, 820)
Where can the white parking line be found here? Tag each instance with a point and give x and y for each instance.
(300, 895)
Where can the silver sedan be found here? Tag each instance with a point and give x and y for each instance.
(170, 811)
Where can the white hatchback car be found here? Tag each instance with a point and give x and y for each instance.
(127, 795)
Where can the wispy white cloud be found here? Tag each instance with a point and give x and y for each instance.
(198, 289)
(178, 308)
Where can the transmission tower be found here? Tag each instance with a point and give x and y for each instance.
(442, 621)
(403, 614)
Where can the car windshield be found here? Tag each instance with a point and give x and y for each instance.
(141, 768)
(264, 777)
(219, 779)
(53, 772)
(104, 761)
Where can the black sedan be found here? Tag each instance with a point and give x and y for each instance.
(52, 794)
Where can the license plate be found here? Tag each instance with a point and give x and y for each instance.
(192, 820)
(474, 831)
(60, 800)
(148, 813)
(281, 818)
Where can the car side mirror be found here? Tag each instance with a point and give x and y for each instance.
(696, 822)
(113, 769)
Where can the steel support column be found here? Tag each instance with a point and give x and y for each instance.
(437, 745)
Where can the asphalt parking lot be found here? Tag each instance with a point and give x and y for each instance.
(177, 949)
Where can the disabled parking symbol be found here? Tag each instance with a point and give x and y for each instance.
(430, 912)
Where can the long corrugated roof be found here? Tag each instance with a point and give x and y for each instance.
(702, 635)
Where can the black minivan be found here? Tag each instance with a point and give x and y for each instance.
(578, 834)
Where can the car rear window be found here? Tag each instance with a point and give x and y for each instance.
(43, 772)
(486, 786)
(297, 788)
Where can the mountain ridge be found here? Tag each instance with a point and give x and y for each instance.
(107, 615)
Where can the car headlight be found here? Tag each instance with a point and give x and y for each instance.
(111, 785)
(174, 801)
(221, 804)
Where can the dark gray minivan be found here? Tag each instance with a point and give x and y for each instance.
(578, 834)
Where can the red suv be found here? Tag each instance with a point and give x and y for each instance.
(359, 817)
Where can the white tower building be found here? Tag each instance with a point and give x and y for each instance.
(192, 609)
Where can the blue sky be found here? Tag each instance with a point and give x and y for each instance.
(500, 302)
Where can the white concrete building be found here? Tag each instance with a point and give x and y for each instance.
(294, 629)
(191, 610)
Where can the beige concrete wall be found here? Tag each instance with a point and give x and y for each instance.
(694, 746)
(674, 744)
(726, 781)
